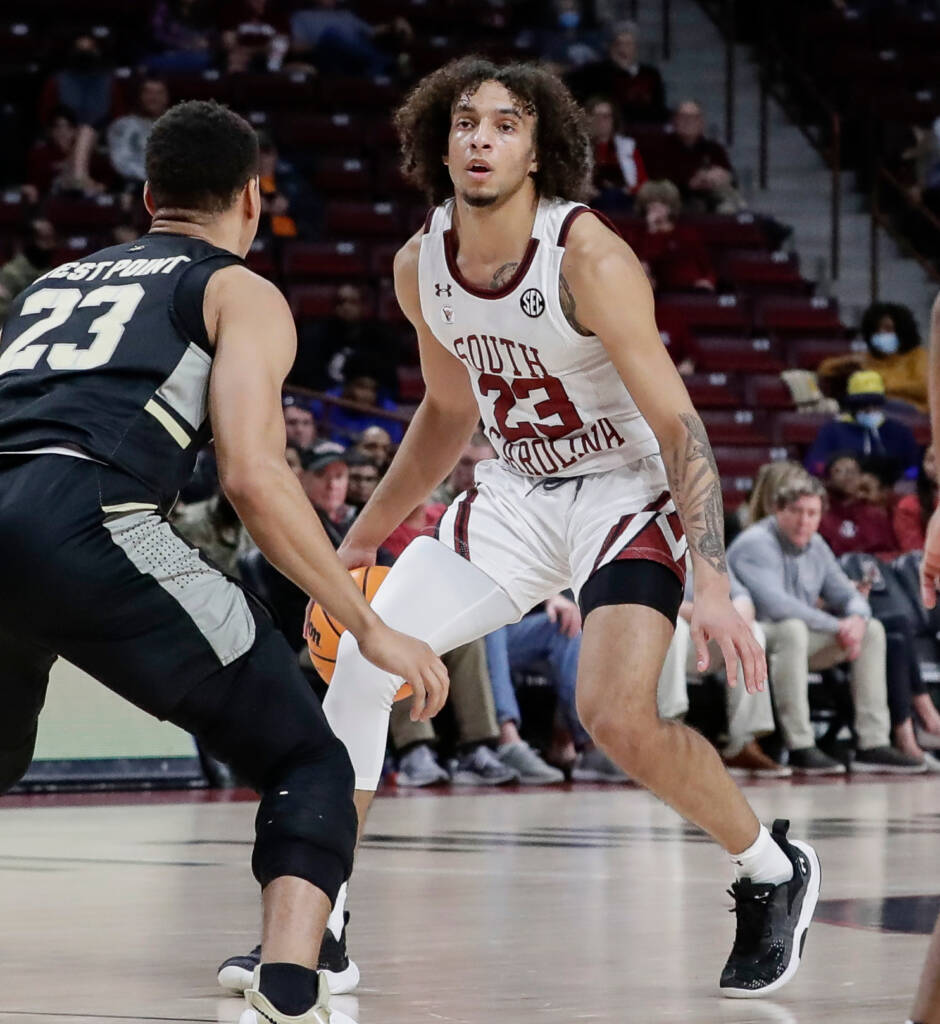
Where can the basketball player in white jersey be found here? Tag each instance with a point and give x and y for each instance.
(532, 314)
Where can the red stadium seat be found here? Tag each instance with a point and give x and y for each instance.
(730, 231)
(814, 316)
(273, 90)
(383, 258)
(745, 355)
(315, 301)
(714, 390)
(410, 384)
(707, 314)
(339, 132)
(13, 211)
(329, 260)
(363, 220)
(198, 85)
(737, 426)
(389, 310)
(377, 95)
(767, 391)
(261, 260)
(800, 427)
(808, 353)
(83, 215)
(343, 176)
(746, 460)
(735, 491)
(765, 273)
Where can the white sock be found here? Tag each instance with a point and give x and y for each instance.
(335, 922)
(763, 861)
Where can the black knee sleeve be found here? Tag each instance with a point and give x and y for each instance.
(306, 823)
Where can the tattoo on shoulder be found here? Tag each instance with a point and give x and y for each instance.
(696, 487)
(502, 275)
(566, 297)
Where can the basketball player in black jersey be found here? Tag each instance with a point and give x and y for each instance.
(114, 369)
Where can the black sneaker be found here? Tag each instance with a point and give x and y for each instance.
(812, 761)
(887, 759)
(342, 974)
(772, 923)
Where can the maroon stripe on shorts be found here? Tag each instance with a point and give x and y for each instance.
(462, 524)
(618, 528)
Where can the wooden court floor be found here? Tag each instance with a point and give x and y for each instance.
(518, 907)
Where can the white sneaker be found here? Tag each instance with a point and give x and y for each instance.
(262, 1011)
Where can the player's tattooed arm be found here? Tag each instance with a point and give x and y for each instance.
(696, 488)
(502, 275)
(568, 306)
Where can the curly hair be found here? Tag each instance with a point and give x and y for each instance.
(904, 324)
(562, 141)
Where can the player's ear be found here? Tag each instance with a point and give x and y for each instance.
(252, 197)
(148, 199)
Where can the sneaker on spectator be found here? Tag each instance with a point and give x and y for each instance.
(887, 759)
(419, 767)
(481, 767)
(533, 771)
(595, 766)
(751, 760)
(812, 761)
(932, 762)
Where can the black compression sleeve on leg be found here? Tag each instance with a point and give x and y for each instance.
(633, 581)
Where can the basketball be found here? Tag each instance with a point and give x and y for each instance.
(325, 631)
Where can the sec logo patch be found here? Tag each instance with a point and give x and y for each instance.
(532, 302)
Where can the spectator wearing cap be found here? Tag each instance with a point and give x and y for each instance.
(864, 429)
(363, 479)
(636, 89)
(361, 386)
(893, 349)
(325, 481)
(672, 253)
(299, 421)
(698, 165)
(618, 167)
(849, 521)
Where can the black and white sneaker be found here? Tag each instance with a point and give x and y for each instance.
(341, 973)
(772, 923)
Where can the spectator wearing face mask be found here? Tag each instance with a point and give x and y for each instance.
(864, 430)
(567, 40)
(34, 258)
(894, 349)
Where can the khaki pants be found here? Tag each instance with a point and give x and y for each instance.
(793, 649)
(749, 714)
(471, 697)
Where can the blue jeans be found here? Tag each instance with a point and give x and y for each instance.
(517, 646)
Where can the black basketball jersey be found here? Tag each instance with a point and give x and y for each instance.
(110, 354)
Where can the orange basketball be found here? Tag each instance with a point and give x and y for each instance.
(325, 631)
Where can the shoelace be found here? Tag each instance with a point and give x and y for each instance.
(751, 906)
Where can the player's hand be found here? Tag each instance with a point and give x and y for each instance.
(714, 617)
(566, 614)
(413, 661)
(930, 563)
(354, 556)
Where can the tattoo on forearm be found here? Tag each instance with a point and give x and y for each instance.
(566, 297)
(696, 489)
(502, 275)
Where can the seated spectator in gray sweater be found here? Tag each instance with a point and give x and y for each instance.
(787, 568)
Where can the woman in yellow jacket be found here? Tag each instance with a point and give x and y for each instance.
(894, 350)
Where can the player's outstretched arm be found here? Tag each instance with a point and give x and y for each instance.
(441, 426)
(255, 341)
(611, 297)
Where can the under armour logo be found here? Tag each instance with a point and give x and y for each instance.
(442, 289)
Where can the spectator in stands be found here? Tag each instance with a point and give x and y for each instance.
(894, 351)
(912, 511)
(567, 41)
(287, 205)
(324, 346)
(85, 87)
(698, 165)
(213, 526)
(550, 636)
(127, 135)
(363, 478)
(337, 41)
(618, 167)
(864, 429)
(360, 385)
(787, 568)
(299, 421)
(750, 715)
(673, 254)
(636, 89)
(33, 258)
(375, 444)
(850, 522)
(770, 477)
(56, 164)
(462, 475)
(183, 37)
(325, 480)
(255, 36)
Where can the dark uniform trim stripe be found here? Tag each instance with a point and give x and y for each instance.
(618, 528)
(450, 255)
(462, 525)
(574, 215)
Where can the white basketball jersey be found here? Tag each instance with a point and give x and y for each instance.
(551, 401)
